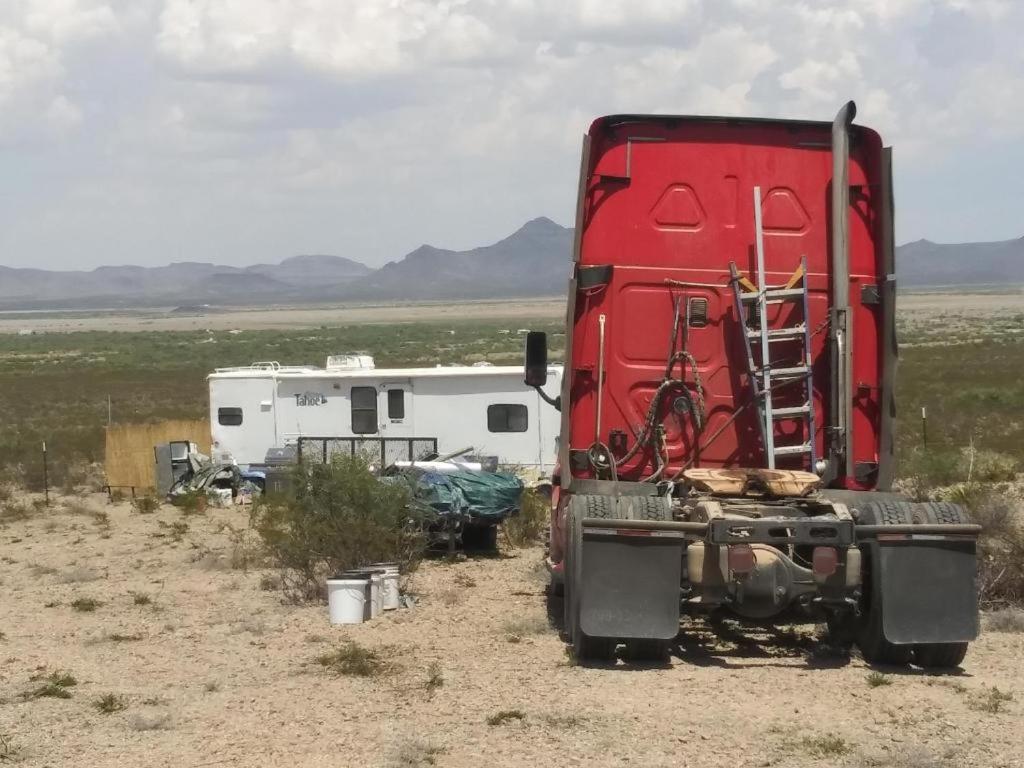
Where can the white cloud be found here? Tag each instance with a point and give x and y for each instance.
(370, 125)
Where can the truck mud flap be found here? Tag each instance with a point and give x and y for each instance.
(630, 581)
(927, 588)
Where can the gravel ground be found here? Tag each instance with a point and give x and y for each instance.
(217, 671)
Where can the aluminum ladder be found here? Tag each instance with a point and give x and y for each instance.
(767, 378)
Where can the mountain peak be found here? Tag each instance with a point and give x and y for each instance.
(542, 225)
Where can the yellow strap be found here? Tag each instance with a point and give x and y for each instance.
(797, 276)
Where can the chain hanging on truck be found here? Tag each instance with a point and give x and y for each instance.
(767, 375)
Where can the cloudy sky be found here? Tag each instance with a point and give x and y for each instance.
(235, 131)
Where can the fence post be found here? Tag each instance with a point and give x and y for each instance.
(46, 477)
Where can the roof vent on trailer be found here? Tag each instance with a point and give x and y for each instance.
(349, 362)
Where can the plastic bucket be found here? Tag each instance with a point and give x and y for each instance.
(390, 572)
(377, 593)
(366, 577)
(346, 599)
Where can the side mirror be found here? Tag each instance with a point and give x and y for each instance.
(536, 359)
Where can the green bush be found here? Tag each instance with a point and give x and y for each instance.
(338, 516)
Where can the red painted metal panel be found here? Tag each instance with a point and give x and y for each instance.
(672, 198)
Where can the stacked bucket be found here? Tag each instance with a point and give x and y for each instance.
(362, 594)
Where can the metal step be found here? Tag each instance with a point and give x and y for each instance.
(785, 373)
(792, 450)
(790, 411)
(774, 294)
(780, 334)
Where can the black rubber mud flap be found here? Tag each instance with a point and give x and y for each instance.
(927, 588)
(630, 583)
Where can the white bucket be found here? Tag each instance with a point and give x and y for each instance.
(391, 601)
(346, 600)
(377, 594)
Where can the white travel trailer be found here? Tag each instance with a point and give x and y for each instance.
(264, 406)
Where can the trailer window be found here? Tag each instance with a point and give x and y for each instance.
(506, 418)
(396, 404)
(364, 410)
(229, 417)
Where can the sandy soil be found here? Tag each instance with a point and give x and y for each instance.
(219, 672)
(261, 318)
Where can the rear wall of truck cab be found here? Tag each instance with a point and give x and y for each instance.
(672, 199)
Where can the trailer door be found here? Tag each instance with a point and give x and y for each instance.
(395, 409)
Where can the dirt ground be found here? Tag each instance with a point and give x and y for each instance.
(215, 670)
(265, 318)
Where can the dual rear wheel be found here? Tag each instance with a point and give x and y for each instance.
(867, 629)
(588, 648)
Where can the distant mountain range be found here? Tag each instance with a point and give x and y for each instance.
(532, 261)
(923, 263)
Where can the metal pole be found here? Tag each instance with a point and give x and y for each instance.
(46, 477)
(109, 411)
(924, 426)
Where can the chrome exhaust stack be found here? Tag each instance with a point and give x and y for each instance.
(840, 451)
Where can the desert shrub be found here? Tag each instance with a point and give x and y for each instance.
(353, 659)
(14, 510)
(531, 522)
(923, 469)
(1000, 546)
(190, 502)
(85, 604)
(54, 686)
(77, 476)
(991, 466)
(109, 703)
(339, 516)
(145, 505)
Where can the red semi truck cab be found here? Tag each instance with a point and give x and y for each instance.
(727, 400)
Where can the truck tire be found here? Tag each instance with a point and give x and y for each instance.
(585, 647)
(657, 508)
(940, 655)
(648, 650)
(869, 638)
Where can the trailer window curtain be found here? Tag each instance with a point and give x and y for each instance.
(229, 417)
(396, 404)
(510, 417)
(364, 410)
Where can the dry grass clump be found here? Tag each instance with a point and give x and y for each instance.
(109, 703)
(1005, 620)
(825, 746)
(990, 700)
(1000, 548)
(54, 686)
(534, 516)
(145, 505)
(877, 680)
(506, 716)
(415, 753)
(15, 510)
(85, 604)
(515, 630)
(354, 660)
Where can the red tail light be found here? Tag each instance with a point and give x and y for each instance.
(825, 561)
(741, 558)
